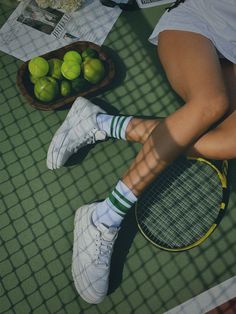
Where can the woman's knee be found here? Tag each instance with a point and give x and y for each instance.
(212, 108)
(224, 137)
(226, 144)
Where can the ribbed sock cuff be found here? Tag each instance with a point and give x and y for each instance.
(114, 126)
(118, 126)
(121, 199)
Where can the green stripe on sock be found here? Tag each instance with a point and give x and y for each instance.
(116, 127)
(112, 126)
(118, 205)
(121, 125)
(122, 197)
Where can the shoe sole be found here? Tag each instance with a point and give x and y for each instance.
(50, 164)
(75, 110)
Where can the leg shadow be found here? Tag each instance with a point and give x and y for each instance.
(121, 249)
(232, 174)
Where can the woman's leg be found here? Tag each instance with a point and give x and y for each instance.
(218, 143)
(193, 69)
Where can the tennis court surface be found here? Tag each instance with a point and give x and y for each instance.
(37, 206)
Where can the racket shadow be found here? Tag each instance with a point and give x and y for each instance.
(122, 246)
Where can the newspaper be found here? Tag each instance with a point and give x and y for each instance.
(151, 3)
(31, 31)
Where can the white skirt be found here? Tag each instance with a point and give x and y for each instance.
(214, 19)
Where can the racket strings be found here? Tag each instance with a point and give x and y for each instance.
(178, 199)
(177, 214)
(175, 218)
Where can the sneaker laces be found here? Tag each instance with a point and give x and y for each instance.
(104, 246)
(104, 253)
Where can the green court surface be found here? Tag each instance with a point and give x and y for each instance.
(37, 205)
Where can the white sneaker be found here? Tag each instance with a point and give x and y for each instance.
(92, 250)
(79, 129)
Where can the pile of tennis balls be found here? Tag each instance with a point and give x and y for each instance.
(56, 78)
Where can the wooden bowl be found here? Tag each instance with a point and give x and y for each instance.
(27, 88)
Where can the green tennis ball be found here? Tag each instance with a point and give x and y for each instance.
(46, 89)
(55, 68)
(65, 88)
(94, 70)
(33, 79)
(80, 84)
(38, 67)
(89, 53)
(72, 55)
(70, 69)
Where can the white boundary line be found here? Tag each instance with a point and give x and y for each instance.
(208, 300)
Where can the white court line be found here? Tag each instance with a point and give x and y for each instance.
(208, 300)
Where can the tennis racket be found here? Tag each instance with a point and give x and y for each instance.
(184, 205)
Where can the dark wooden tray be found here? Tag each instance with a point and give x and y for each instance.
(26, 87)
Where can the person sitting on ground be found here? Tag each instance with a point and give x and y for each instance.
(197, 48)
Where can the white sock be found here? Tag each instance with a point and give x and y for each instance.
(112, 210)
(114, 126)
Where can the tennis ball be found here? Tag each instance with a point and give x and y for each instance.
(46, 89)
(89, 53)
(38, 67)
(65, 88)
(79, 84)
(94, 70)
(33, 79)
(72, 55)
(70, 69)
(55, 68)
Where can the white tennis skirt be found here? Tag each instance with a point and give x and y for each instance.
(214, 19)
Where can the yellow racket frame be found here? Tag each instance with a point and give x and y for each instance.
(222, 174)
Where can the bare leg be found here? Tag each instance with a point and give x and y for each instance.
(219, 143)
(194, 71)
(138, 130)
